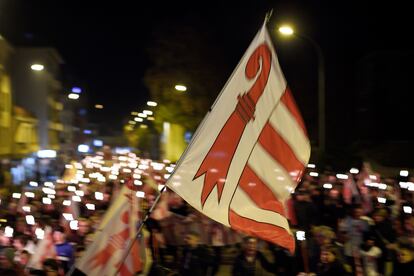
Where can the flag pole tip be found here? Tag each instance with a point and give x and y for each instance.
(268, 15)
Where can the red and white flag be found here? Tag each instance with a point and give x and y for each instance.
(45, 249)
(249, 152)
(118, 227)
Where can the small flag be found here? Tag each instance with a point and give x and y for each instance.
(249, 152)
(118, 227)
(45, 249)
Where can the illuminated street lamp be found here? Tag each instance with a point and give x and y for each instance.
(99, 106)
(180, 87)
(151, 103)
(288, 31)
(76, 90)
(37, 67)
(73, 96)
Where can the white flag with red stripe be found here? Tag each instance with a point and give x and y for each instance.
(118, 227)
(250, 151)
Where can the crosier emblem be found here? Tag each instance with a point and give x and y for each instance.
(216, 163)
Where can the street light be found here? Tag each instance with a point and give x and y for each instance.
(73, 96)
(37, 67)
(180, 87)
(287, 31)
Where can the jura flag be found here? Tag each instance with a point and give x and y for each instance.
(45, 249)
(248, 154)
(118, 227)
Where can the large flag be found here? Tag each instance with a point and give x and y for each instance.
(250, 151)
(118, 227)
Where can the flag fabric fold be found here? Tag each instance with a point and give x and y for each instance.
(250, 151)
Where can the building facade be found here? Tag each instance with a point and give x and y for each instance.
(5, 99)
(39, 91)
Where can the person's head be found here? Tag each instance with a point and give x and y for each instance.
(334, 194)
(379, 215)
(357, 212)
(59, 235)
(20, 242)
(21, 225)
(327, 255)
(12, 207)
(4, 240)
(302, 194)
(405, 253)
(192, 239)
(315, 191)
(24, 257)
(369, 241)
(409, 224)
(7, 257)
(83, 226)
(50, 267)
(250, 246)
(323, 234)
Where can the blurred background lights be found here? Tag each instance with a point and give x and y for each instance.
(46, 154)
(327, 186)
(404, 173)
(140, 194)
(8, 232)
(83, 148)
(74, 225)
(73, 96)
(76, 90)
(180, 87)
(40, 234)
(407, 209)
(97, 143)
(99, 195)
(37, 67)
(30, 220)
(354, 171)
(151, 103)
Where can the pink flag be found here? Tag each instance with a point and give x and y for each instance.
(117, 229)
(250, 151)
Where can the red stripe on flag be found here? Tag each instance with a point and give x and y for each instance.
(276, 146)
(258, 191)
(269, 232)
(290, 103)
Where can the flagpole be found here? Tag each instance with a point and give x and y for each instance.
(268, 16)
(141, 226)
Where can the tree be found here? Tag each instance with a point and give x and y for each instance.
(179, 54)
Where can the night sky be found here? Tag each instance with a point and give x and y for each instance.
(103, 45)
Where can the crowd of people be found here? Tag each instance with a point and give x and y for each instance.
(353, 223)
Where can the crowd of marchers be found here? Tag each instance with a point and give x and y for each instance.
(355, 223)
